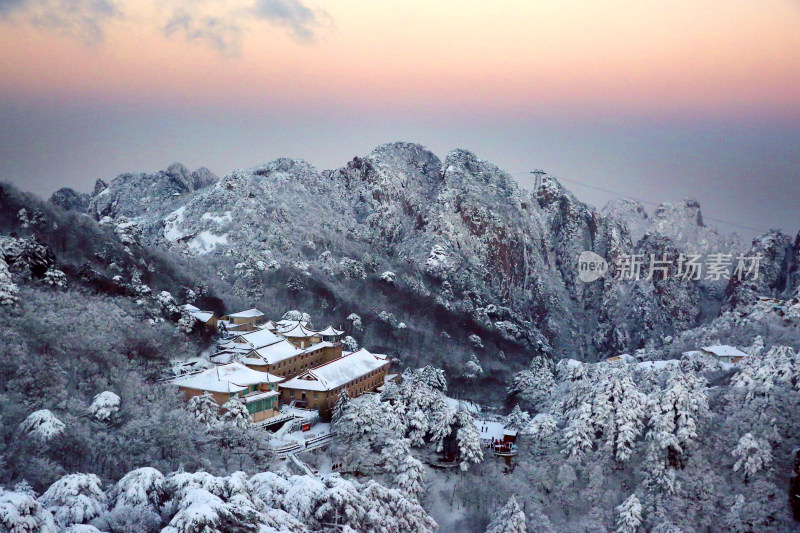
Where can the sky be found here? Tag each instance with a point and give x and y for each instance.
(656, 100)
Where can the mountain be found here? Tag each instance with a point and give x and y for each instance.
(460, 234)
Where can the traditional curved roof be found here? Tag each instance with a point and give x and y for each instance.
(298, 331)
(330, 331)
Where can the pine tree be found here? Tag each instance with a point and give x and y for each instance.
(753, 455)
(8, 289)
(204, 409)
(518, 419)
(21, 513)
(408, 472)
(468, 438)
(340, 406)
(75, 499)
(629, 515)
(43, 425)
(535, 383)
(237, 414)
(509, 519)
(104, 406)
(579, 434)
(417, 427)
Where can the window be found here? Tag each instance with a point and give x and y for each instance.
(315, 395)
(257, 406)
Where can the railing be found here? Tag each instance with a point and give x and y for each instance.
(285, 451)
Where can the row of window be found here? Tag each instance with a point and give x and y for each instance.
(260, 405)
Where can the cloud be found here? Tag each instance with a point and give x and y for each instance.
(219, 33)
(292, 14)
(83, 19)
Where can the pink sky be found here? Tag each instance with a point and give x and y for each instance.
(607, 57)
(658, 99)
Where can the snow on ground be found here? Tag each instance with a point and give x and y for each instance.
(490, 429)
(472, 407)
(300, 437)
(173, 223)
(659, 365)
(219, 219)
(205, 242)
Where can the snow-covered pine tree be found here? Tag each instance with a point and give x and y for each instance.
(43, 425)
(8, 289)
(535, 383)
(20, 512)
(408, 472)
(629, 515)
(417, 427)
(473, 369)
(104, 406)
(441, 425)
(55, 278)
(204, 409)
(579, 433)
(518, 419)
(508, 519)
(237, 414)
(75, 499)
(468, 438)
(339, 407)
(753, 455)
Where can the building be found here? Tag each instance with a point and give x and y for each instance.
(331, 334)
(264, 351)
(206, 318)
(724, 353)
(242, 321)
(300, 335)
(319, 387)
(258, 390)
(286, 360)
(244, 343)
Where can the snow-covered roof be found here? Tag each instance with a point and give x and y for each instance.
(232, 377)
(280, 351)
(196, 312)
(254, 339)
(260, 396)
(203, 316)
(330, 331)
(288, 325)
(277, 352)
(723, 350)
(338, 372)
(269, 325)
(298, 331)
(250, 313)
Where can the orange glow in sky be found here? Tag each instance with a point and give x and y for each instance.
(629, 57)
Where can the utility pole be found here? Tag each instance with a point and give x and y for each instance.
(538, 173)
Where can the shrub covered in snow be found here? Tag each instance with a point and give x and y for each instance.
(75, 499)
(350, 344)
(43, 425)
(20, 512)
(8, 289)
(104, 406)
(55, 278)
